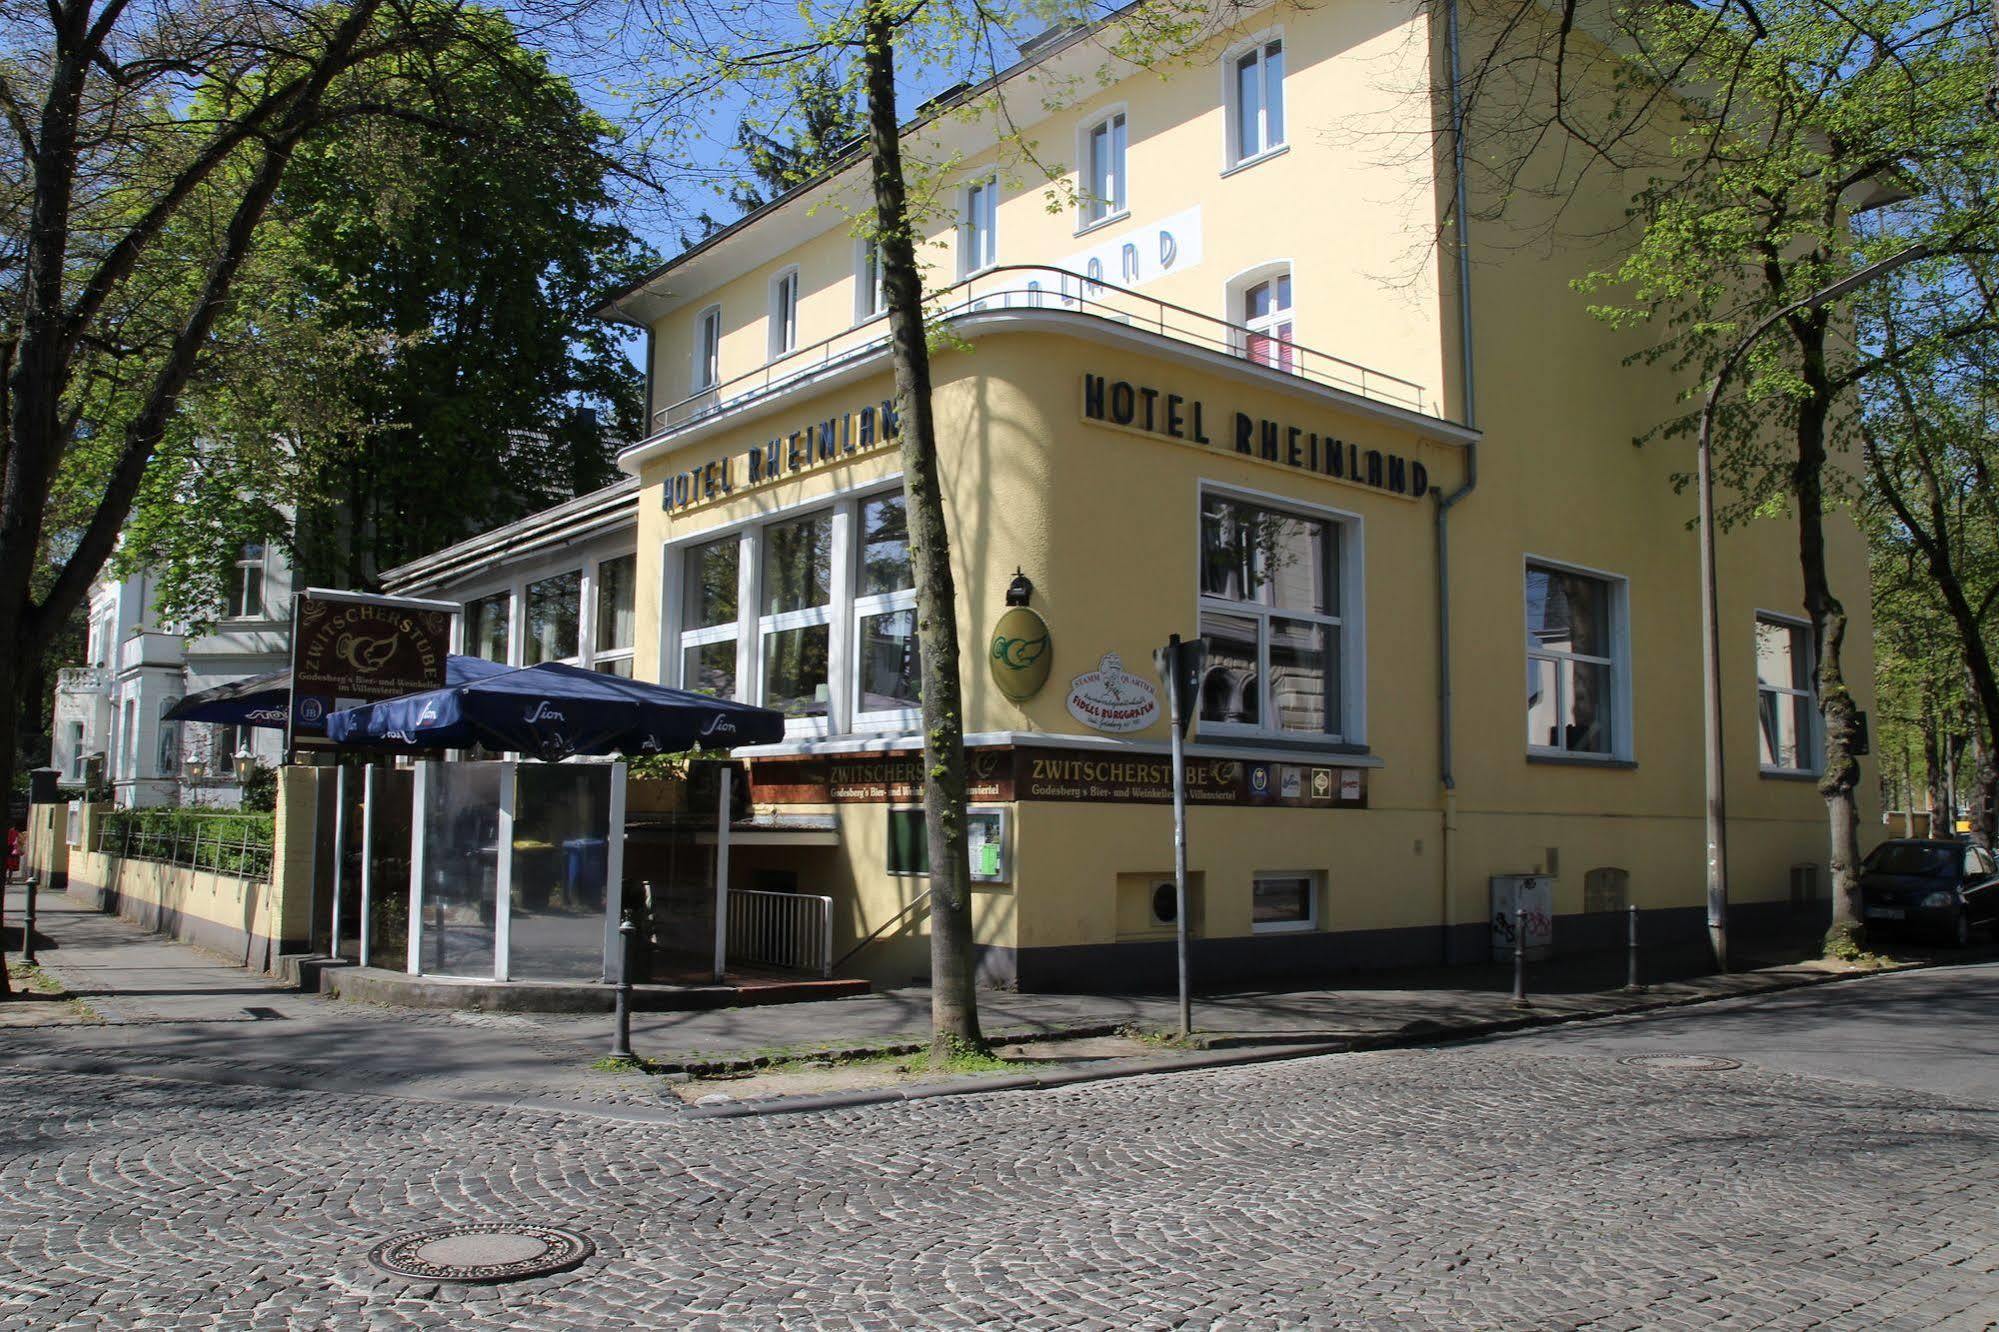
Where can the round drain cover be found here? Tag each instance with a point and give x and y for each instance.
(481, 1252)
(1682, 1063)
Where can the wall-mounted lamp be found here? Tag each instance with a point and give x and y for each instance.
(1021, 590)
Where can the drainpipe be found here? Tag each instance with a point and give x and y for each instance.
(1467, 373)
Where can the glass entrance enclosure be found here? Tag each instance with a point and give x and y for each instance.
(513, 870)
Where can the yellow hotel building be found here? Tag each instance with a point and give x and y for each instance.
(1227, 393)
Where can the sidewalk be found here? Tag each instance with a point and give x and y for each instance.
(165, 1009)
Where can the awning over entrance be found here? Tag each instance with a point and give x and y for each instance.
(264, 700)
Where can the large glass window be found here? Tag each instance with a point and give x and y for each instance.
(554, 616)
(795, 626)
(246, 583)
(1270, 610)
(981, 232)
(885, 659)
(1784, 712)
(486, 627)
(617, 630)
(708, 617)
(1257, 100)
(1103, 181)
(1572, 667)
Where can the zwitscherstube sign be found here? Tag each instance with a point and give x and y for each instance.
(348, 648)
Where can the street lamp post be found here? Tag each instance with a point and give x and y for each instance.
(1717, 801)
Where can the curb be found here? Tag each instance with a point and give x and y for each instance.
(1242, 1056)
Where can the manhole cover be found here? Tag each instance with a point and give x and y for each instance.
(481, 1252)
(1681, 1063)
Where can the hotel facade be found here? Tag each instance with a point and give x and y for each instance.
(1225, 388)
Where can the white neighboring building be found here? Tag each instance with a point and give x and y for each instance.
(137, 668)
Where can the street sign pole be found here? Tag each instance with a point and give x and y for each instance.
(1179, 667)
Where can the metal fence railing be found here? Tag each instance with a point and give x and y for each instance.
(791, 930)
(239, 847)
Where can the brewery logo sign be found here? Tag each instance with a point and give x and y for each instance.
(1112, 699)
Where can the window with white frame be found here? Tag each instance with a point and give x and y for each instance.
(869, 297)
(1263, 310)
(980, 228)
(708, 348)
(795, 620)
(486, 627)
(554, 618)
(1575, 668)
(1256, 100)
(711, 579)
(1284, 901)
(1787, 732)
(885, 661)
(169, 740)
(1103, 169)
(1271, 610)
(617, 628)
(76, 751)
(784, 313)
(246, 583)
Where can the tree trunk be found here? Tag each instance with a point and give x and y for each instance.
(954, 1013)
(1936, 798)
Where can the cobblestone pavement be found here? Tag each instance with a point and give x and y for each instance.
(1486, 1187)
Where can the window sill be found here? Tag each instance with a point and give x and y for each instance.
(1580, 761)
(1246, 163)
(966, 275)
(1275, 744)
(1108, 220)
(1790, 774)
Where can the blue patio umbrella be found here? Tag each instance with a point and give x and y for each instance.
(263, 700)
(553, 711)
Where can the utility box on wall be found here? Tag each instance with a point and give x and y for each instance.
(1512, 895)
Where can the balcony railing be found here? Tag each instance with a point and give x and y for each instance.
(83, 680)
(1036, 287)
(791, 930)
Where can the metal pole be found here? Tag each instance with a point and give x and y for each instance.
(1717, 797)
(1631, 967)
(722, 875)
(621, 1040)
(28, 931)
(1520, 953)
(1179, 843)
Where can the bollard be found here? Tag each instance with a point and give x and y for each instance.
(621, 1041)
(1631, 966)
(28, 930)
(1520, 956)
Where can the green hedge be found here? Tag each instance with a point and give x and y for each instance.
(221, 840)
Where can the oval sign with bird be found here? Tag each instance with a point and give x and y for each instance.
(1020, 655)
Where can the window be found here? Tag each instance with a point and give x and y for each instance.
(616, 625)
(1270, 610)
(708, 348)
(1574, 671)
(1256, 100)
(795, 627)
(1281, 902)
(1264, 308)
(486, 627)
(708, 617)
(981, 245)
(885, 660)
(784, 313)
(76, 751)
(246, 583)
(985, 835)
(1787, 734)
(553, 614)
(169, 740)
(1103, 170)
(869, 298)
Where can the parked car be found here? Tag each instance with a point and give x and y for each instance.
(1937, 886)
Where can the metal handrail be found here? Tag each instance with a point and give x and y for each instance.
(782, 929)
(1045, 287)
(922, 899)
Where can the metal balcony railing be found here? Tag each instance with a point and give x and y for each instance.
(793, 930)
(1039, 287)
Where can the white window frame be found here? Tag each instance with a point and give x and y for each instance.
(1814, 742)
(870, 297)
(784, 313)
(726, 631)
(1236, 295)
(1621, 739)
(1315, 887)
(598, 656)
(880, 603)
(1092, 210)
(583, 592)
(707, 351)
(242, 567)
(1233, 158)
(978, 216)
(1349, 531)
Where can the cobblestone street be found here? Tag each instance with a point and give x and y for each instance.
(1505, 1185)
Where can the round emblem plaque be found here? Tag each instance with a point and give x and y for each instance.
(481, 1252)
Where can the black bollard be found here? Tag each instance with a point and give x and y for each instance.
(621, 1041)
(28, 930)
(1520, 955)
(1631, 967)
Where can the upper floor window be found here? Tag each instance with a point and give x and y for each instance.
(1256, 100)
(486, 627)
(981, 248)
(1264, 309)
(1575, 663)
(1786, 720)
(1103, 167)
(869, 297)
(708, 348)
(554, 615)
(246, 583)
(784, 313)
(1272, 614)
(617, 629)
